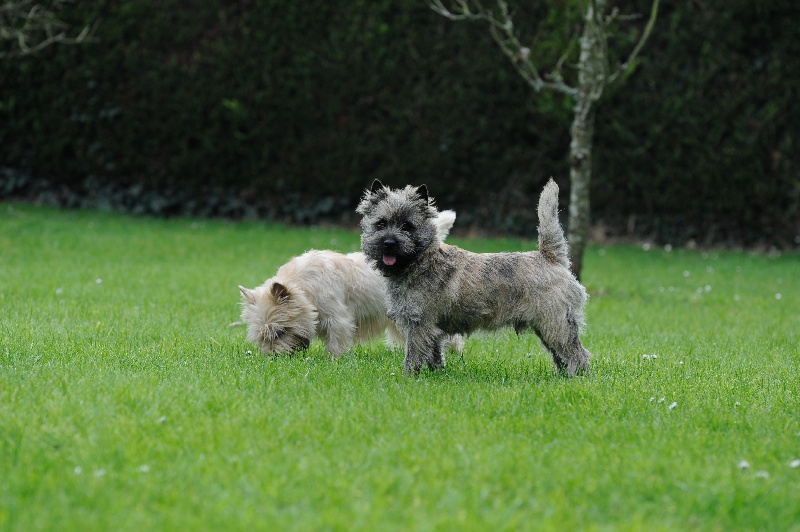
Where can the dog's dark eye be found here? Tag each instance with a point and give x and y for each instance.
(407, 227)
(380, 224)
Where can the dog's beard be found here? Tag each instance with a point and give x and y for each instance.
(277, 340)
(287, 344)
(392, 264)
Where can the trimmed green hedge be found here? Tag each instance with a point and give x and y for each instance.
(703, 141)
(289, 110)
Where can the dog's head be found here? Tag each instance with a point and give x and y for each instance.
(279, 318)
(397, 225)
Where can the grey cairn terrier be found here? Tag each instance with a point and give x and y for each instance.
(436, 289)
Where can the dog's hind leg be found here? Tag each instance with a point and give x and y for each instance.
(577, 356)
(572, 351)
(561, 338)
(561, 365)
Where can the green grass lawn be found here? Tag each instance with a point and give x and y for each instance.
(127, 403)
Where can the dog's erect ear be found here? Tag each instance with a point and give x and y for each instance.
(248, 294)
(279, 292)
(422, 192)
(372, 196)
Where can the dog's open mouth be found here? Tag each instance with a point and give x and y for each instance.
(389, 260)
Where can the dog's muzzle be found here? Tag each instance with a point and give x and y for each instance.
(389, 251)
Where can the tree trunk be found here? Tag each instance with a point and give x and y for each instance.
(580, 177)
(591, 81)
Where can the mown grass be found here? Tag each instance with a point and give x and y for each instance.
(127, 403)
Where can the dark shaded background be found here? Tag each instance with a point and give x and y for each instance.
(288, 110)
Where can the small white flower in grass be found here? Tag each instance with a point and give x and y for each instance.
(652, 399)
(661, 400)
(672, 405)
(144, 468)
(393, 374)
(99, 281)
(707, 288)
(778, 296)
(736, 297)
(667, 248)
(78, 470)
(762, 474)
(646, 246)
(671, 288)
(737, 403)
(744, 464)
(161, 419)
(686, 273)
(99, 472)
(794, 464)
(59, 291)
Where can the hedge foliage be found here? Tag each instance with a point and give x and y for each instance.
(290, 109)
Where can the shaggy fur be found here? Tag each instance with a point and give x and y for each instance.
(338, 298)
(436, 289)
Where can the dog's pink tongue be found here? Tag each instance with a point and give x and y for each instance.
(389, 259)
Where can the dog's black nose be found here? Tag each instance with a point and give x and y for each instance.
(389, 241)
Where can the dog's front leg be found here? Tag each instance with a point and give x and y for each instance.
(422, 348)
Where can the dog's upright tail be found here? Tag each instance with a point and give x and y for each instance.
(552, 243)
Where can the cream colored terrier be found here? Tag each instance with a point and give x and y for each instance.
(339, 298)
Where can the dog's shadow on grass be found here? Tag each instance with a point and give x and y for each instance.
(502, 358)
(505, 372)
(479, 363)
(477, 366)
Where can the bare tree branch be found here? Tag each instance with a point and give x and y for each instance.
(501, 28)
(594, 74)
(28, 27)
(628, 65)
